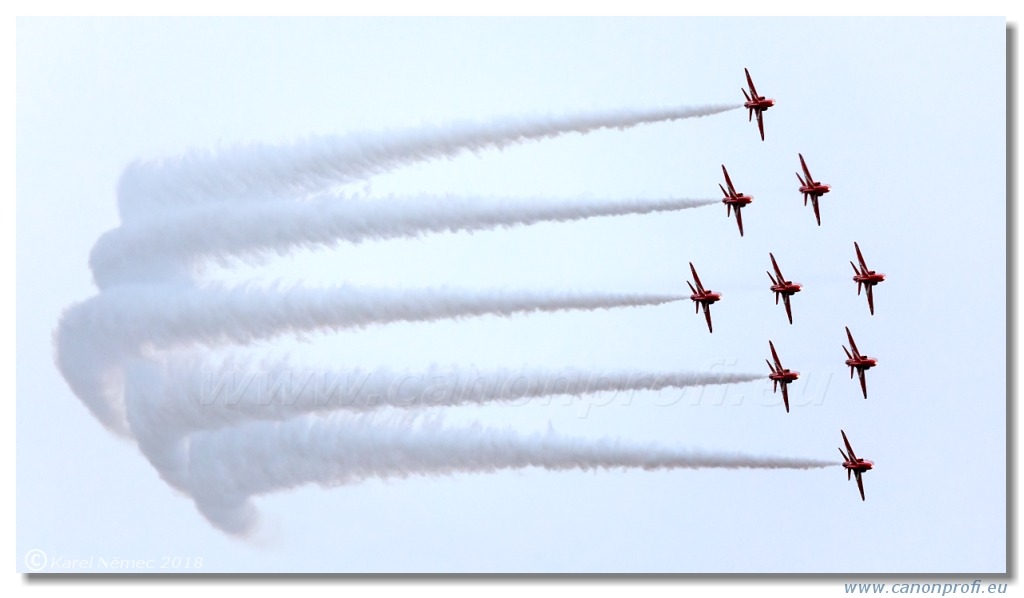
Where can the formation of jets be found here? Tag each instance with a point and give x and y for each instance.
(784, 288)
(810, 188)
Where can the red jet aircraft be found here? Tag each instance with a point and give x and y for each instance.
(781, 286)
(734, 200)
(858, 362)
(755, 103)
(865, 277)
(780, 375)
(701, 296)
(854, 465)
(811, 188)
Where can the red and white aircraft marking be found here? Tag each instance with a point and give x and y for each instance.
(854, 465)
(702, 297)
(734, 200)
(865, 277)
(858, 362)
(755, 104)
(783, 287)
(780, 376)
(811, 188)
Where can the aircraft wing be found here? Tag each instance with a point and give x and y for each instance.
(853, 345)
(739, 219)
(814, 202)
(789, 312)
(849, 449)
(696, 278)
(871, 300)
(860, 257)
(778, 271)
(760, 123)
(728, 181)
(750, 83)
(860, 484)
(775, 356)
(807, 173)
(785, 396)
(707, 315)
(863, 382)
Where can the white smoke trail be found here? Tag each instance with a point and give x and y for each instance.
(95, 336)
(172, 316)
(154, 248)
(228, 467)
(264, 172)
(194, 394)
